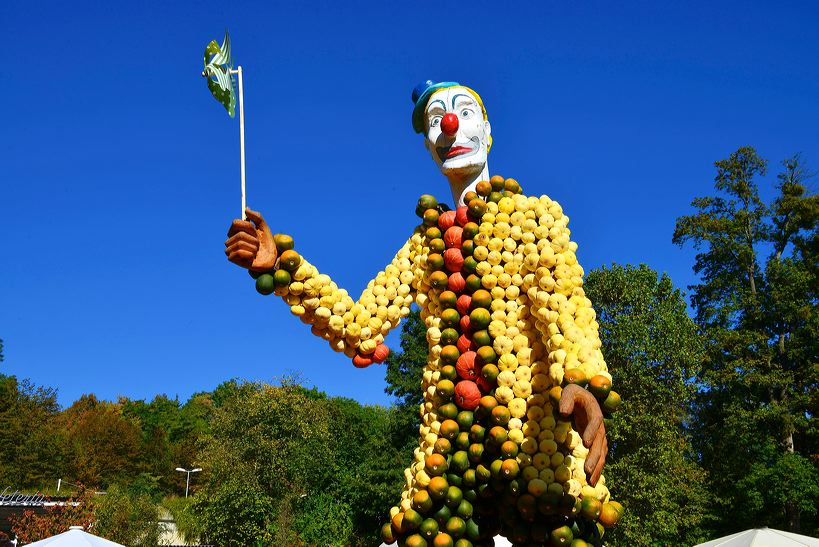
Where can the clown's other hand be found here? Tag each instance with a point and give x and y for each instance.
(588, 419)
(250, 243)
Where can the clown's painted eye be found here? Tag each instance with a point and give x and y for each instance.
(466, 113)
(435, 121)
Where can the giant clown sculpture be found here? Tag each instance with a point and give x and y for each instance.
(512, 438)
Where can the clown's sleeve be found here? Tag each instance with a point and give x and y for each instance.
(354, 327)
(570, 348)
(564, 315)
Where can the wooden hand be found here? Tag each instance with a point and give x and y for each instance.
(588, 418)
(250, 244)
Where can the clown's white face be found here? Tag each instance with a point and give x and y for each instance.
(457, 136)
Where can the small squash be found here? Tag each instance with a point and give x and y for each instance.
(462, 215)
(467, 367)
(467, 395)
(453, 259)
(381, 352)
(362, 361)
(454, 237)
(465, 343)
(456, 282)
(446, 220)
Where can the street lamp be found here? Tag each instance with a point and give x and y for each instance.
(188, 483)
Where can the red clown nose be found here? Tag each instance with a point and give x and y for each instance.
(449, 125)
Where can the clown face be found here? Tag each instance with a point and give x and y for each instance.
(457, 136)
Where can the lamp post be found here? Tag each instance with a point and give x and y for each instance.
(188, 483)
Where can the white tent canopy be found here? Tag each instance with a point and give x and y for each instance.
(762, 537)
(75, 537)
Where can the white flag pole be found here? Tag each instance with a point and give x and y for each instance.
(238, 72)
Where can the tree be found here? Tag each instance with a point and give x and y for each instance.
(652, 349)
(169, 435)
(369, 462)
(756, 416)
(32, 446)
(404, 375)
(188, 524)
(404, 368)
(104, 445)
(286, 465)
(127, 518)
(269, 445)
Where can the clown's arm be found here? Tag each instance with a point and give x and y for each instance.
(356, 328)
(566, 320)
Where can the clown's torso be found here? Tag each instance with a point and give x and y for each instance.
(508, 325)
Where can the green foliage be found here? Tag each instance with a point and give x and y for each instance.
(265, 450)
(127, 519)
(324, 520)
(32, 446)
(756, 411)
(237, 510)
(725, 230)
(188, 524)
(371, 455)
(286, 465)
(404, 374)
(405, 368)
(652, 349)
(169, 435)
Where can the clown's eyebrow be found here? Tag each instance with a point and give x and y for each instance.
(469, 99)
(429, 106)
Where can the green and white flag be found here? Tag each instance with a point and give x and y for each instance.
(218, 66)
(219, 73)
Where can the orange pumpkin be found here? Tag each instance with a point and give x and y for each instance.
(466, 367)
(381, 352)
(465, 344)
(456, 282)
(463, 304)
(362, 361)
(453, 237)
(453, 259)
(465, 322)
(461, 215)
(467, 395)
(446, 220)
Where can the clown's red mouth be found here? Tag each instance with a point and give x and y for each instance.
(457, 151)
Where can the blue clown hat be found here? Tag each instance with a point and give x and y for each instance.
(420, 96)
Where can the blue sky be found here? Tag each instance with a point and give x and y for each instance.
(121, 173)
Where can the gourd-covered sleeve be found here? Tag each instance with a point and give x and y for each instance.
(355, 327)
(565, 318)
(563, 314)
